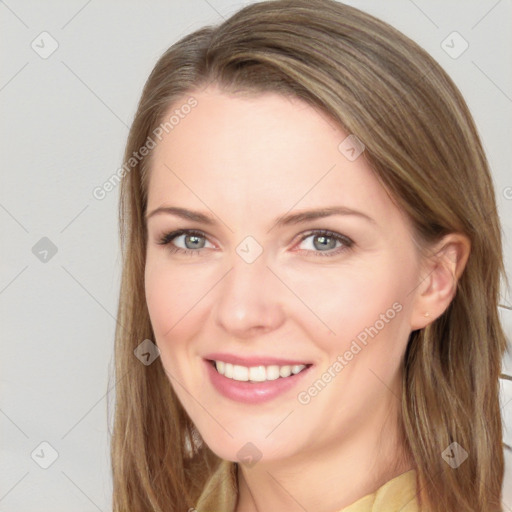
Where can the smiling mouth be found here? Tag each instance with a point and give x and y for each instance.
(259, 373)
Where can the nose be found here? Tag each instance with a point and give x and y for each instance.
(249, 299)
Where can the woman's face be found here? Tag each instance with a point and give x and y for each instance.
(267, 298)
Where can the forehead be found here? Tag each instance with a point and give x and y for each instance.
(269, 125)
(260, 151)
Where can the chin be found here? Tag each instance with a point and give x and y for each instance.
(248, 447)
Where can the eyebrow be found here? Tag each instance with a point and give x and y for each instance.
(283, 220)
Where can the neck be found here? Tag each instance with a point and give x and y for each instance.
(326, 479)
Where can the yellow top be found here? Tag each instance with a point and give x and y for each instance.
(398, 494)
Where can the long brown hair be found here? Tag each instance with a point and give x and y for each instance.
(424, 148)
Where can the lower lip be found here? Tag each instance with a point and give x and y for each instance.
(252, 392)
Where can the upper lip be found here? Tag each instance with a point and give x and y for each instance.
(253, 361)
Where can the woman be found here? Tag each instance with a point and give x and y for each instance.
(364, 379)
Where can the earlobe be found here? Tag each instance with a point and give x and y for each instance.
(438, 289)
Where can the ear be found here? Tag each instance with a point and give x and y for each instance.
(439, 277)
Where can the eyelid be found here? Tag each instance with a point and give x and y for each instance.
(326, 232)
(168, 236)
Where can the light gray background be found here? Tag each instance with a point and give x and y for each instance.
(64, 122)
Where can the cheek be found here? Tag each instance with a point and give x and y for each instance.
(167, 312)
(363, 302)
(173, 295)
(178, 303)
(344, 300)
(159, 299)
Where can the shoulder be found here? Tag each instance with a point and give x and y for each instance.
(221, 490)
(399, 493)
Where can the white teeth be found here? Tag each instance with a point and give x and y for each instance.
(257, 373)
(285, 371)
(240, 373)
(272, 372)
(297, 368)
(228, 370)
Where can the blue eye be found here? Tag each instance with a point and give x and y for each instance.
(325, 239)
(194, 236)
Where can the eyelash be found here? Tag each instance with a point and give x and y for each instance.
(167, 238)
